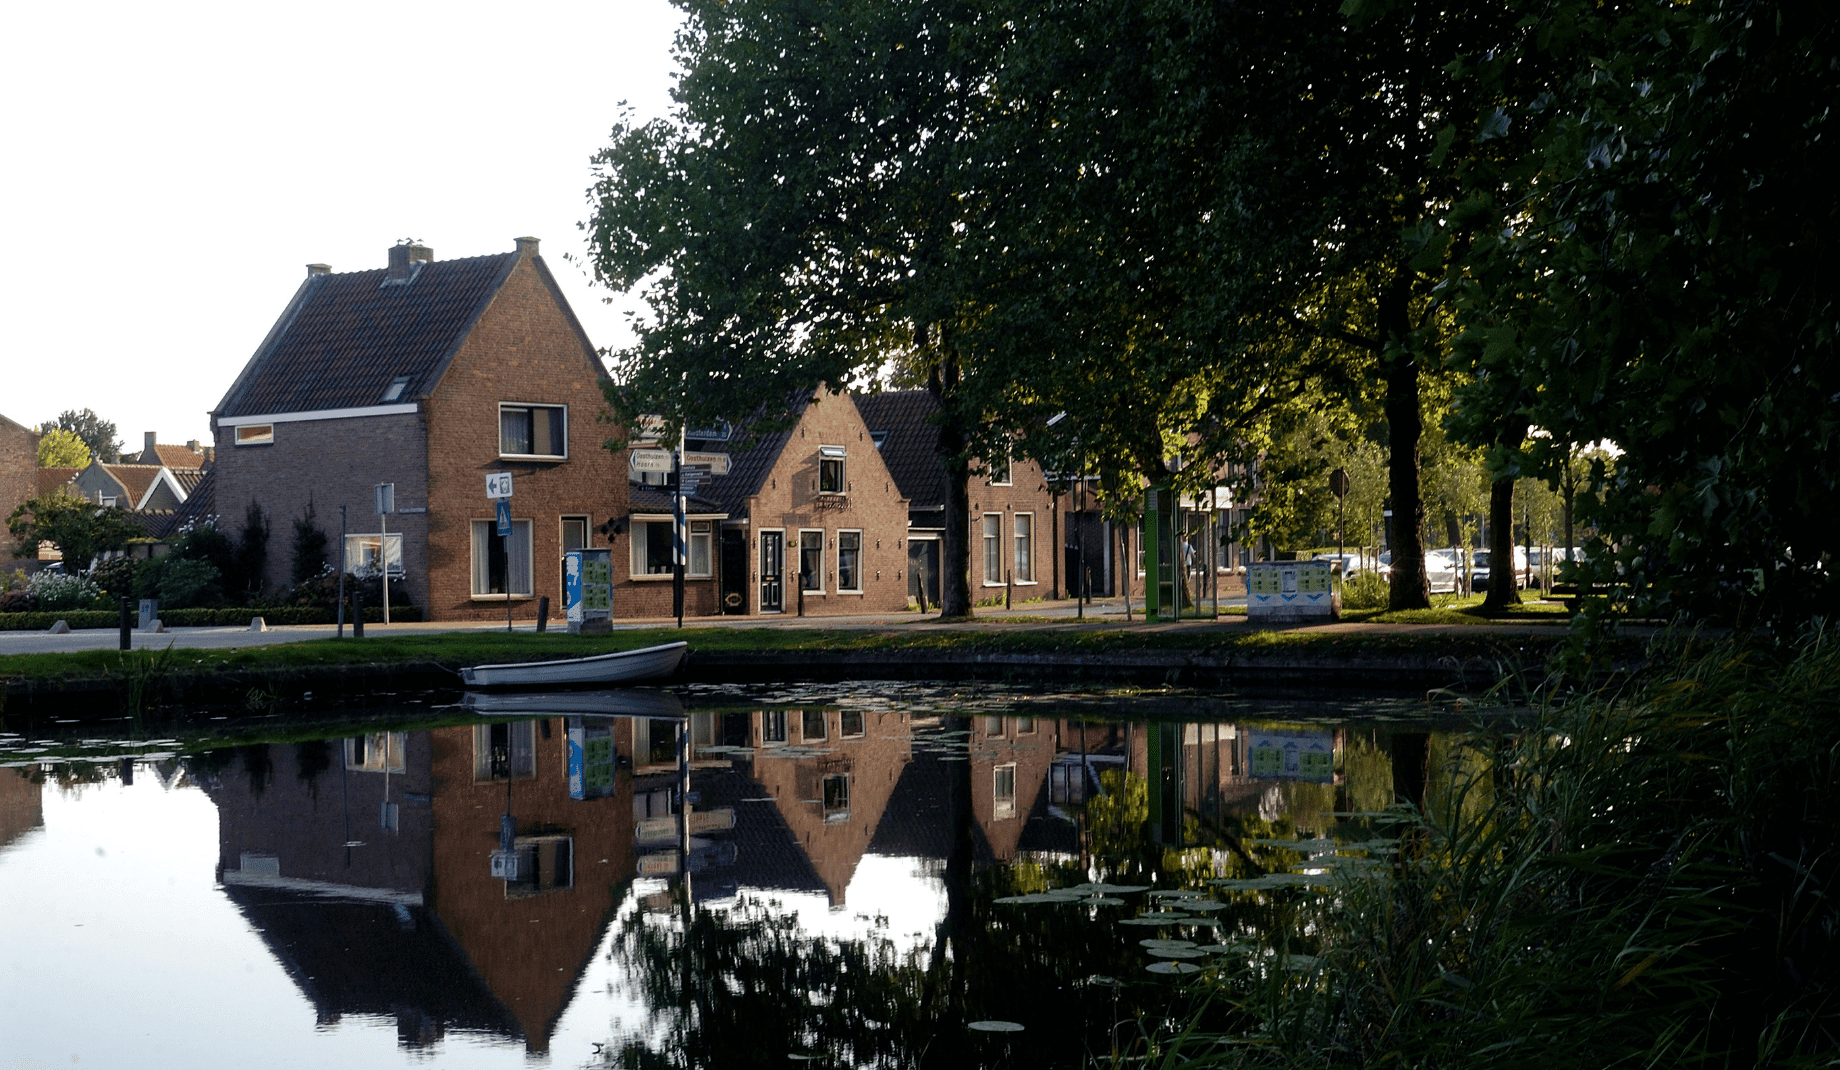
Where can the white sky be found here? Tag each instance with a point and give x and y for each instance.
(171, 169)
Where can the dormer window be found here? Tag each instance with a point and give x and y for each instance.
(830, 470)
(396, 388)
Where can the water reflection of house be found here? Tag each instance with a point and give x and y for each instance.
(366, 865)
(22, 804)
(790, 798)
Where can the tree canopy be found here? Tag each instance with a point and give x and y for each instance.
(98, 434)
(61, 448)
(80, 529)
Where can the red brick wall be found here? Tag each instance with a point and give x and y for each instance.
(525, 347)
(789, 500)
(1026, 493)
(18, 475)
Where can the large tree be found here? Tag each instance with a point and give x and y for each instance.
(1654, 272)
(98, 434)
(80, 529)
(58, 448)
(795, 221)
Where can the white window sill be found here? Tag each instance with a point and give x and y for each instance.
(501, 598)
(666, 577)
(533, 456)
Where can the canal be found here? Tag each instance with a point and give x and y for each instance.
(850, 876)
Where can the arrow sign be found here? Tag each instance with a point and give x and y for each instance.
(651, 461)
(498, 484)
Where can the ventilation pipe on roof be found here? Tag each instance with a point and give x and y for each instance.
(318, 269)
(526, 247)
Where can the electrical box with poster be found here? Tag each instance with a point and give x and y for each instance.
(587, 586)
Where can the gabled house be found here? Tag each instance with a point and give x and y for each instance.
(1012, 524)
(815, 523)
(190, 457)
(429, 376)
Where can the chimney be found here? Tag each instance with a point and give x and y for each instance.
(192, 444)
(318, 269)
(526, 247)
(406, 253)
(150, 455)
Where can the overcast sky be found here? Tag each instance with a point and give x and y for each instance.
(172, 169)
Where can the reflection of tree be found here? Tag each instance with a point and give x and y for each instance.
(745, 985)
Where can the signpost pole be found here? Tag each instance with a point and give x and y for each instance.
(383, 555)
(341, 572)
(677, 531)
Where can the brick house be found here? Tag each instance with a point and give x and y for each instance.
(428, 375)
(1013, 517)
(812, 522)
(18, 470)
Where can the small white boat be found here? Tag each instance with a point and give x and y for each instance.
(610, 702)
(619, 667)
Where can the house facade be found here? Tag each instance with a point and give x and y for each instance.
(427, 376)
(1013, 522)
(18, 470)
(811, 522)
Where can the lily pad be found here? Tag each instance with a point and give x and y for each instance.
(1177, 953)
(1145, 921)
(1100, 901)
(1166, 915)
(1173, 967)
(1155, 942)
(993, 1026)
(1227, 949)
(1204, 908)
(1109, 889)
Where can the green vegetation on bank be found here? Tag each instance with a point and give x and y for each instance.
(454, 649)
(1643, 877)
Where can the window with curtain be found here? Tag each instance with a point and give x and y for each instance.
(501, 564)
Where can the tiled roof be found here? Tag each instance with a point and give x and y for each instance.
(51, 479)
(200, 507)
(188, 479)
(748, 466)
(910, 443)
(134, 478)
(346, 337)
(177, 458)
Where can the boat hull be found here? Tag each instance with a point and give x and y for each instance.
(620, 667)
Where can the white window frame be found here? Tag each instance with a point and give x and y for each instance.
(1003, 804)
(1004, 475)
(363, 548)
(699, 548)
(805, 722)
(520, 538)
(844, 717)
(773, 726)
(991, 528)
(1022, 539)
(383, 752)
(563, 455)
(817, 574)
(833, 458)
(842, 536)
(255, 434)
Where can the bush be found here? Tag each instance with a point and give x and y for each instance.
(20, 601)
(57, 590)
(115, 576)
(1365, 590)
(185, 582)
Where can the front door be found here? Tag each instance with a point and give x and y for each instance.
(772, 568)
(734, 571)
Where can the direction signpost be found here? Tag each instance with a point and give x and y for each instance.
(386, 504)
(498, 491)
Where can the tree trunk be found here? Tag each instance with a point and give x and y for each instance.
(954, 550)
(1502, 573)
(1410, 589)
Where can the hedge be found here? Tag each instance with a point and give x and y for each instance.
(39, 620)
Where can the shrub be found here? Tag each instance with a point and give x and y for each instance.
(1365, 590)
(185, 582)
(57, 590)
(115, 576)
(21, 601)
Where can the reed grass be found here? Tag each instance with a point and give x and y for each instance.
(1646, 877)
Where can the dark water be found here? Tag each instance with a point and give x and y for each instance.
(854, 861)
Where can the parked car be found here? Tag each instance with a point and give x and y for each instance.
(1547, 559)
(1440, 569)
(1348, 565)
(1479, 569)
